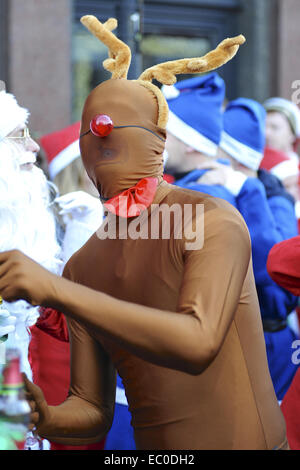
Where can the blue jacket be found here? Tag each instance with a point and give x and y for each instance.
(120, 435)
(270, 217)
(269, 220)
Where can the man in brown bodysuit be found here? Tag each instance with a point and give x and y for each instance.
(181, 326)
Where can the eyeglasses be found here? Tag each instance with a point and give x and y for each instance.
(24, 134)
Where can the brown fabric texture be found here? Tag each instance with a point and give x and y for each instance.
(231, 404)
(182, 327)
(125, 156)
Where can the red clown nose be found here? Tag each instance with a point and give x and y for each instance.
(101, 125)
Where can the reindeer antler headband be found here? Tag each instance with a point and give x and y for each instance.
(165, 73)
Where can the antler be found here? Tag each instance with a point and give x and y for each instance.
(119, 53)
(166, 72)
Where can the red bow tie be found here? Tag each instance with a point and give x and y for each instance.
(132, 201)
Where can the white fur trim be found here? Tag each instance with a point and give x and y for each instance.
(285, 169)
(235, 182)
(121, 397)
(241, 152)
(64, 158)
(11, 114)
(293, 156)
(170, 91)
(190, 136)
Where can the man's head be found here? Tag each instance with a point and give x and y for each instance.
(243, 136)
(15, 140)
(134, 148)
(195, 121)
(142, 113)
(282, 124)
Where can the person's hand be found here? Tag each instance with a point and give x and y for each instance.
(77, 204)
(223, 175)
(7, 322)
(23, 278)
(40, 415)
(217, 174)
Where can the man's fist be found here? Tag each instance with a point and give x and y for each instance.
(23, 278)
(39, 416)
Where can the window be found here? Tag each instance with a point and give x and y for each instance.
(170, 29)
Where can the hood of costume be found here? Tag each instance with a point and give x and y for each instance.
(129, 161)
(124, 157)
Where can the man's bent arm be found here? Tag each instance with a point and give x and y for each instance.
(86, 415)
(210, 292)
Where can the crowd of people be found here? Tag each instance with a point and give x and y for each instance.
(242, 152)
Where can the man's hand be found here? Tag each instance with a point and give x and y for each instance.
(78, 204)
(217, 174)
(40, 415)
(23, 278)
(223, 175)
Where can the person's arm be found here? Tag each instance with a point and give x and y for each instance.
(283, 264)
(210, 291)
(86, 415)
(211, 287)
(263, 224)
(265, 217)
(281, 203)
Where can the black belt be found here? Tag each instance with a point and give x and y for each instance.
(271, 325)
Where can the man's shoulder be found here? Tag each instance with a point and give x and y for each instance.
(183, 196)
(219, 214)
(77, 258)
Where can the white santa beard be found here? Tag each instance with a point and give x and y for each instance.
(26, 224)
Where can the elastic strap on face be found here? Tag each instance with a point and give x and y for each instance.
(121, 127)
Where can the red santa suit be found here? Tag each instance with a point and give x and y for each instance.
(284, 267)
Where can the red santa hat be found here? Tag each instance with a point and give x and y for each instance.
(61, 148)
(279, 164)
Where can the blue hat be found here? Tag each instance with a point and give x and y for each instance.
(243, 136)
(195, 115)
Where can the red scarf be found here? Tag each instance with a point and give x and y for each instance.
(132, 201)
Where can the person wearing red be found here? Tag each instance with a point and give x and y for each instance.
(286, 169)
(80, 214)
(284, 267)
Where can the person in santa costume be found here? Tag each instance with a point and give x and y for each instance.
(286, 169)
(283, 267)
(26, 220)
(29, 224)
(282, 126)
(82, 215)
(283, 134)
(177, 316)
(78, 215)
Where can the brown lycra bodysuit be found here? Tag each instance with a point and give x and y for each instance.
(181, 326)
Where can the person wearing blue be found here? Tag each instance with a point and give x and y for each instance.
(120, 435)
(270, 216)
(260, 197)
(194, 131)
